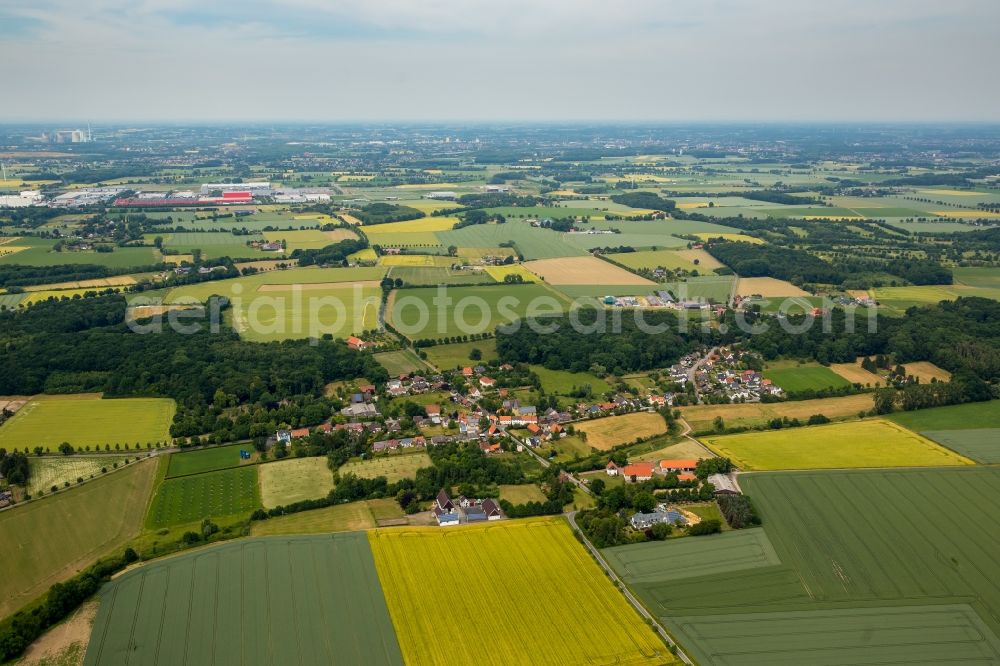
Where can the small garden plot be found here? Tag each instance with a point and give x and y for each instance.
(286, 481)
(522, 494)
(393, 466)
(607, 433)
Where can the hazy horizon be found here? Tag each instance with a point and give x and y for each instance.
(565, 61)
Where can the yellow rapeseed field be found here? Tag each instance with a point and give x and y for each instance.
(859, 444)
(421, 224)
(512, 592)
(498, 273)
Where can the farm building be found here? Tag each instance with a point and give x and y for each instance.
(642, 521)
(612, 469)
(446, 518)
(492, 510)
(677, 466)
(641, 471)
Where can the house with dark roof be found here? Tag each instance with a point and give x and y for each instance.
(491, 509)
(444, 502)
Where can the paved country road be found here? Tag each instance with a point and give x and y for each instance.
(571, 517)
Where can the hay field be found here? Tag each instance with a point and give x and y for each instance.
(205, 460)
(498, 273)
(522, 494)
(350, 517)
(730, 237)
(860, 444)
(583, 270)
(52, 539)
(86, 420)
(294, 600)
(925, 371)
(768, 288)
(429, 260)
(448, 357)
(652, 259)
(700, 417)
(292, 480)
(515, 573)
(854, 373)
(48, 471)
(394, 466)
(402, 362)
(609, 432)
(99, 283)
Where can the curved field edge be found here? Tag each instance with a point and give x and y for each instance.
(543, 598)
(52, 539)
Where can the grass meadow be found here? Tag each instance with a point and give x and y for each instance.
(294, 479)
(394, 466)
(87, 420)
(53, 538)
(607, 433)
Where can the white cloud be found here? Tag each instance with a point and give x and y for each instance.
(455, 59)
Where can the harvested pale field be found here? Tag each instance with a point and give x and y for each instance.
(768, 288)
(350, 219)
(925, 371)
(267, 264)
(854, 373)
(706, 262)
(177, 259)
(64, 644)
(350, 517)
(410, 226)
(700, 417)
(10, 249)
(971, 214)
(417, 260)
(686, 449)
(607, 433)
(146, 311)
(100, 283)
(318, 286)
(736, 238)
(583, 270)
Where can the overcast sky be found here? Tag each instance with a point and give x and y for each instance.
(652, 60)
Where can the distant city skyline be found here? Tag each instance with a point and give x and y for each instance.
(472, 60)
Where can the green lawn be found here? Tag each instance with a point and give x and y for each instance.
(188, 499)
(402, 362)
(301, 600)
(456, 355)
(562, 382)
(797, 378)
(295, 479)
(86, 420)
(205, 460)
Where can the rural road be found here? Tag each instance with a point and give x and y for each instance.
(571, 517)
(693, 371)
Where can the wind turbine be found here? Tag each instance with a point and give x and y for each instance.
(3, 167)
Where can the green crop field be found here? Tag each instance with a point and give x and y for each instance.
(293, 480)
(713, 288)
(982, 445)
(676, 559)
(472, 310)
(531, 242)
(872, 568)
(205, 460)
(955, 417)
(798, 378)
(293, 600)
(446, 357)
(401, 362)
(40, 252)
(188, 499)
(870, 443)
(435, 275)
(650, 259)
(213, 244)
(86, 420)
(985, 277)
(52, 539)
